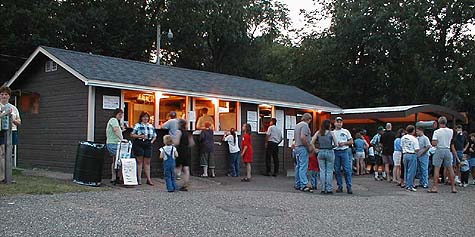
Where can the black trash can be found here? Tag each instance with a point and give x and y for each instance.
(89, 160)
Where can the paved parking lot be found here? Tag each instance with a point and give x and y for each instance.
(227, 207)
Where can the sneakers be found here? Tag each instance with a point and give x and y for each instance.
(457, 180)
(349, 191)
(411, 189)
(339, 190)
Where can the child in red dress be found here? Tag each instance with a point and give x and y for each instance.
(246, 150)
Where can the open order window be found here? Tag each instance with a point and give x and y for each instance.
(169, 103)
(135, 103)
(228, 113)
(205, 112)
(265, 115)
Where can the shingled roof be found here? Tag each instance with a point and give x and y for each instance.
(97, 70)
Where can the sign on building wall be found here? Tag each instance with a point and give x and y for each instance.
(110, 102)
(252, 120)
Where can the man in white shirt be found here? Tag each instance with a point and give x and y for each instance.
(342, 158)
(410, 146)
(442, 141)
(273, 138)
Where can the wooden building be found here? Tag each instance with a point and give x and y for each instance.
(65, 97)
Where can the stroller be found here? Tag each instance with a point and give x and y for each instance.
(122, 159)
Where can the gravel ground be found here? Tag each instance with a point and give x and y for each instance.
(226, 207)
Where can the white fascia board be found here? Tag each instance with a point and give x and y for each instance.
(124, 86)
(50, 56)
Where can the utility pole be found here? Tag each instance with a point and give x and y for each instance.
(159, 34)
(7, 127)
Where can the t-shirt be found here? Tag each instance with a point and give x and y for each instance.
(206, 141)
(302, 129)
(423, 143)
(443, 136)
(202, 121)
(111, 137)
(15, 114)
(274, 134)
(233, 143)
(359, 145)
(471, 149)
(397, 144)
(166, 151)
(387, 139)
(172, 126)
(460, 142)
(342, 135)
(409, 144)
(375, 143)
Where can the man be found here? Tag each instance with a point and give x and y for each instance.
(342, 158)
(6, 109)
(172, 125)
(273, 138)
(375, 142)
(303, 148)
(200, 124)
(410, 147)
(387, 143)
(461, 145)
(423, 157)
(442, 157)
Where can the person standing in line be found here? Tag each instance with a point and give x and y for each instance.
(145, 135)
(397, 156)
(342, 159)
(471, 155)
(5, 109)
(303, 147)
(387, 143)
(361, 148)
(247, 152)
(169, 154)
(325, 140)
(183, 144)
(461, 144)
(273, 138)
(410, 147)
(113, 137)
(207, 151)
(171, 124)
(441, 139)
(376, 143)
(233, 144)
(423, 157)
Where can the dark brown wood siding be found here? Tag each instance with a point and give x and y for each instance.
(50, 138)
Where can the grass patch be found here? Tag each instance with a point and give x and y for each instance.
(42, 185)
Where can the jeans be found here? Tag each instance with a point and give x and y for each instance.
(169, 172)
(423, 167)
(272, 150)
(234, 164)
(326, 160)
(314, 178)
(342, 159)
(410, 166)
(301, 156)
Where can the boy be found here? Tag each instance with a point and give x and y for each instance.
(169, 154)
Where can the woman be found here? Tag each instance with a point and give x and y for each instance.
(183, 144)
(247, 151)
(397, 157)
(232, 139)
(325, 141)
(144, 135)
(114, 136)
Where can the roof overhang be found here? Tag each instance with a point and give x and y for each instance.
(125, 86)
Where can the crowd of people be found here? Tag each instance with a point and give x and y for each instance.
(402, 157)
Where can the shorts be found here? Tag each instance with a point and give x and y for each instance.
(207, 159)
(370, 160)
(387, 159)
(471, 162)
(378, 160)
(397, 155)
(112, 149)
(14, 137)
(142, 148)
(360, 155)
(442, 157)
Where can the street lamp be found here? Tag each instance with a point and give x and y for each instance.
(159, 34)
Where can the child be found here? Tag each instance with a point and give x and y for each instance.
(372, 162)
(234, 150)
(314, 170)
(247, 151)
(465, 171)
(207, 151)
(168, 153)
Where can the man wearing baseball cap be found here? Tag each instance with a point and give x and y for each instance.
(342, 158)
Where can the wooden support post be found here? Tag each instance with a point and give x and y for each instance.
(8, 150)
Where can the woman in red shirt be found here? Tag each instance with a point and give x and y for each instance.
(246, 150)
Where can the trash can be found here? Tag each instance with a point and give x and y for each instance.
(89, 160)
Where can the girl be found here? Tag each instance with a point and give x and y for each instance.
(247, 151)
(232, 139)
(144, 134)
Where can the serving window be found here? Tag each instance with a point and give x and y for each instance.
(135, 103)
(228, 113)
(265, 116)
(169, 103)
